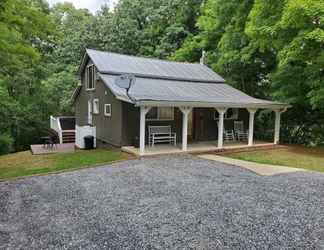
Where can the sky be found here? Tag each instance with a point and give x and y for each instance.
(92, 5)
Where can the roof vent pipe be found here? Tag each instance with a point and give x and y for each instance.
(203, 57)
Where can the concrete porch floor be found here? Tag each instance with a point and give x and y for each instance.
(196, 147)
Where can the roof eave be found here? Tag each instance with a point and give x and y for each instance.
(75, 93)
(83, 63)
(274, 106)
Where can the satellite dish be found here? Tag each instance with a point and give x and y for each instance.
(125, 81)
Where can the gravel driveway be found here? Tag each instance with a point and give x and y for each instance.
(169, 202)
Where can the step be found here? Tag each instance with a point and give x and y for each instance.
(68, 141)
(68, 133)
(68, 138)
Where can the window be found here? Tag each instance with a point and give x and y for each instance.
(90, 77)
(231, 114)
(96, 106)
(89, 112)
(160, 113)
(107, 109)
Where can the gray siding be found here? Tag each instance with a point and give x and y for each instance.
(108, 128)
(81, 103)
(130, 123)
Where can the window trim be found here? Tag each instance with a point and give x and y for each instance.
(93, 77)
(234, 117)
(105, 109)
(95, 104)
(159, 119)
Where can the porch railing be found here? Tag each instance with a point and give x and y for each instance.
(56, 125)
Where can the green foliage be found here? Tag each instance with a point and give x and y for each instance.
(57, 91)
(6, 143)
(25, 34)
(73, 27)
(294, 31)
(150, 28)
(230, 52)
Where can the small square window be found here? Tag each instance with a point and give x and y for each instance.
(107, 109)
(96, 106)
(160, 114)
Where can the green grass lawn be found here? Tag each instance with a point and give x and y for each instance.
(24, 163)
(292, 156)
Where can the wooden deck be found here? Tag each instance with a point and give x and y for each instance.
(198, 147)
(39, 149)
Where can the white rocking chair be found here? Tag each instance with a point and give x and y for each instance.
(229, 135)
(241, 134)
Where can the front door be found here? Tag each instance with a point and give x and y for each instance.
(205, 126)
(198, 122)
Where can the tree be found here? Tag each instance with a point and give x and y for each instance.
(230, 52)
(147, 27)
(293, 30)
(25, 32)
(74, 34)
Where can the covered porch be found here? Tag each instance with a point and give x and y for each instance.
(218, 141)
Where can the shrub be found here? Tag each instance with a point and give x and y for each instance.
(6, 144)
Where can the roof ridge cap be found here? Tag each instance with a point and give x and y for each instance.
(148, 58)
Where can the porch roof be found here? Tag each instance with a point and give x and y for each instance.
(167, 92)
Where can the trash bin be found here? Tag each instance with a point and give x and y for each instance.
(89, 142)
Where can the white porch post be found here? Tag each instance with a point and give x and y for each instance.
(251, 126)
(221, 112)
(185, 113)
(277, 126)
(143, 112)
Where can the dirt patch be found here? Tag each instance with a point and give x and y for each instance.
(314, 151)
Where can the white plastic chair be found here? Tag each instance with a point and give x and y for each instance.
(240, 133)
(229, 135)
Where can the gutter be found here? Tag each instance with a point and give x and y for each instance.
(212, 104)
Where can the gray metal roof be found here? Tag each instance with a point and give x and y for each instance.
(112, 63)
(162, 90)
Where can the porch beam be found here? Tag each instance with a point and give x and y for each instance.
(251, 125)
(221, 112)
(143, 112)
(185, 113)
